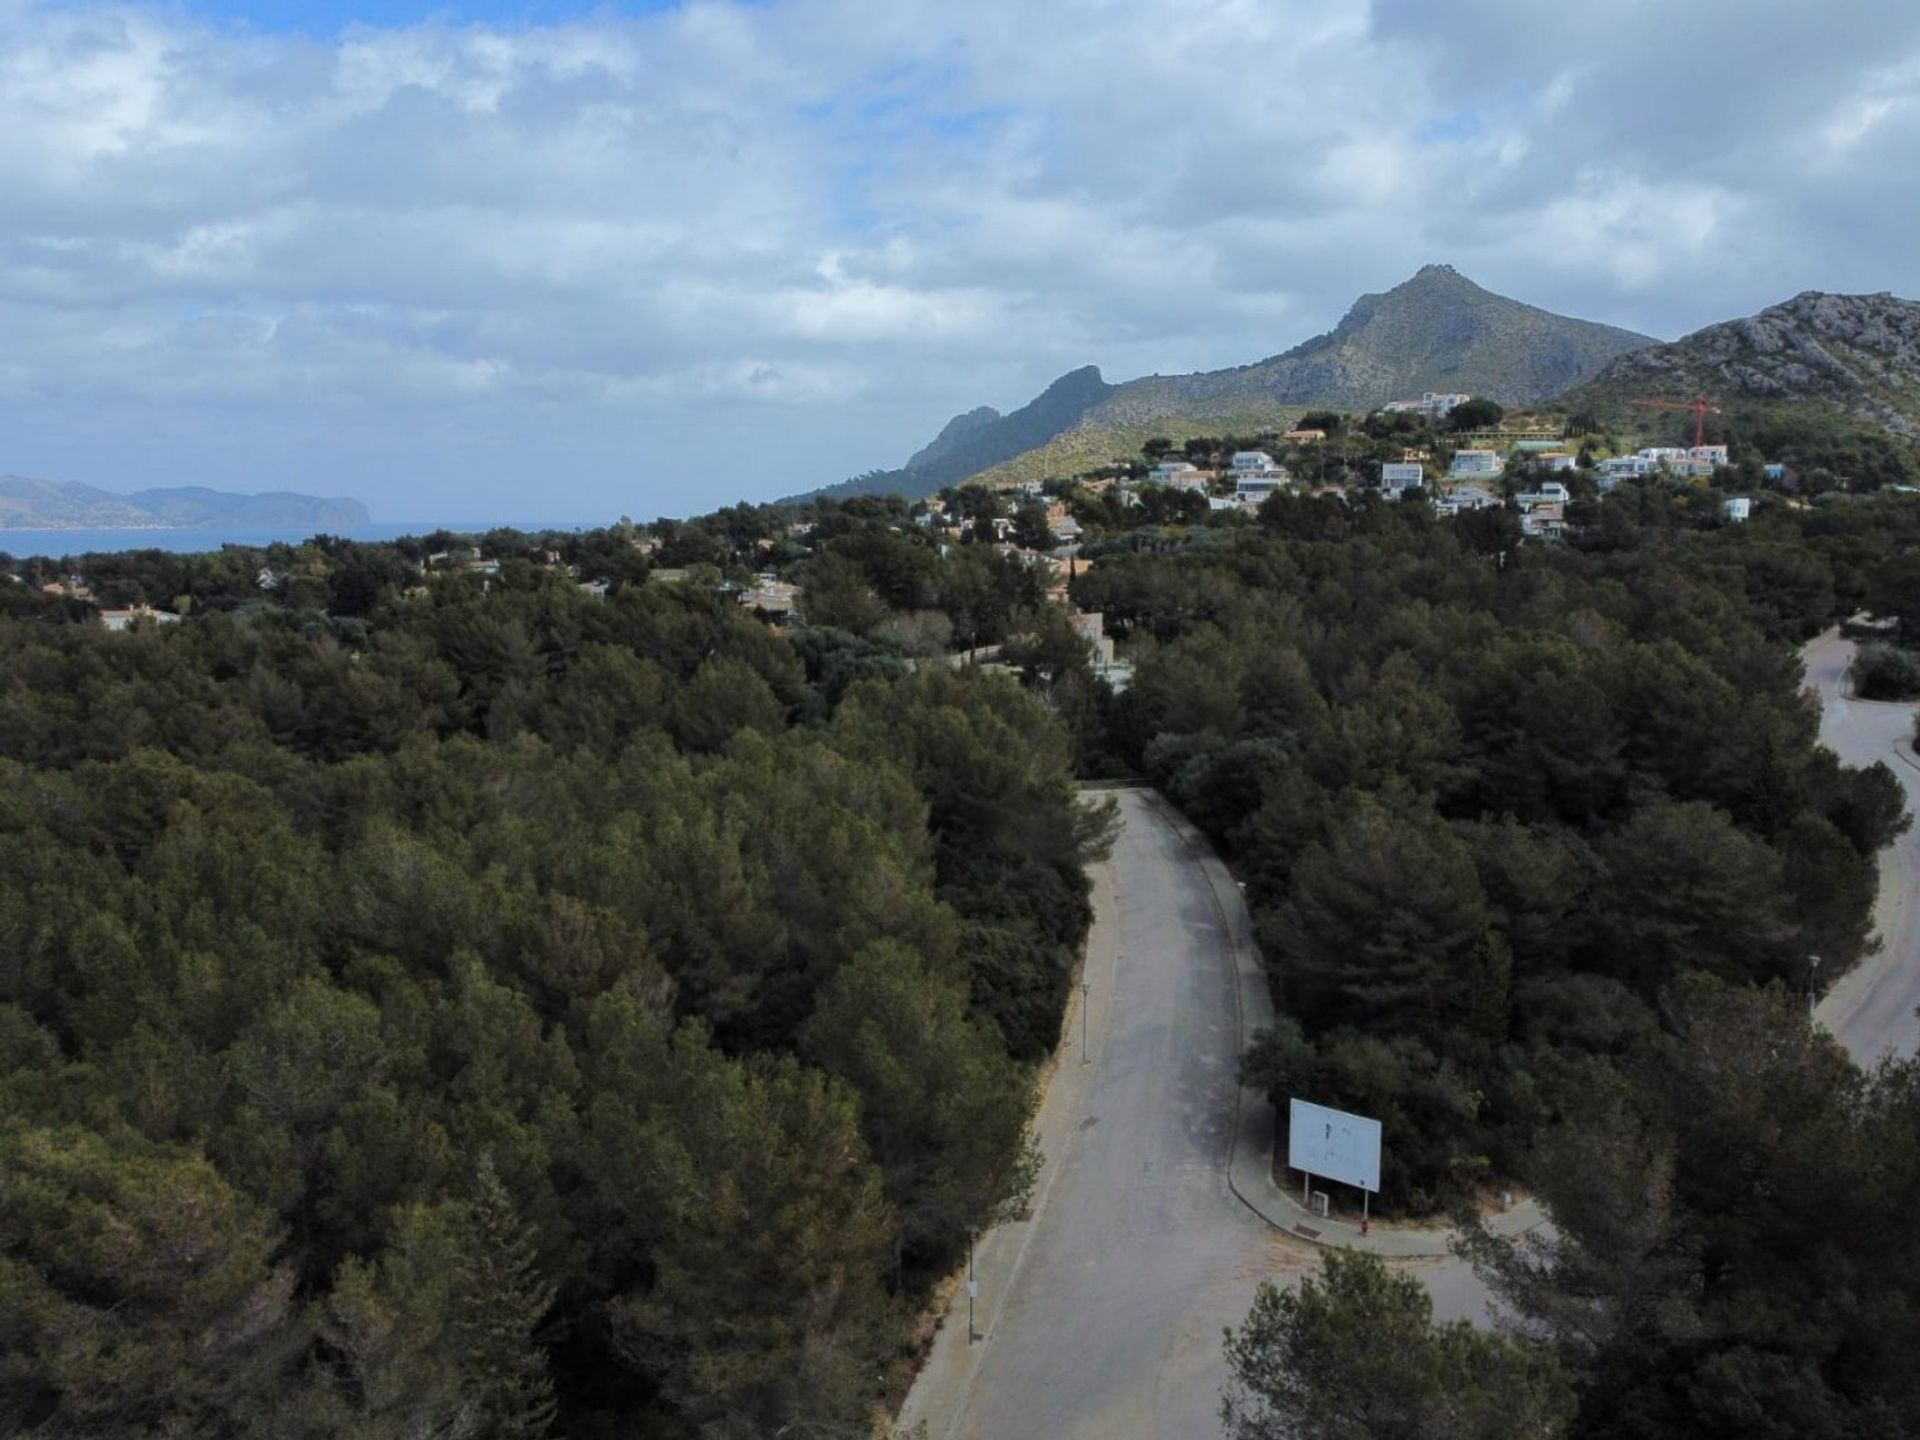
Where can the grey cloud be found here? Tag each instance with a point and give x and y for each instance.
(440, 262)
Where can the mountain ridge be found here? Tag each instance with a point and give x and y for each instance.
(27, 503)
(1437, 330)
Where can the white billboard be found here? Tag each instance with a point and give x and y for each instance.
(1334, 1145)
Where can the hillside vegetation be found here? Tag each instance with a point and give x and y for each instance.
(1089, 446)
(1538, 841)
(503, 1012)
(1823, 383)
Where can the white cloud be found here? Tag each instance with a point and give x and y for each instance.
(415, 257)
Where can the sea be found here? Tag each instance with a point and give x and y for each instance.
(24, 544)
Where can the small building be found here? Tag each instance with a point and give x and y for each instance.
(1167, 472)
(595, 589)
(1092, 625)
(1544, 522)
(1201, 480)
(1737, 508)
(1551, 493)
(1397, 479)
(1468, 497)
(1623, 467)
(1433, 405)
(1251, 487)
(1255, 461)
(772, 596)
(1065, 529)
(119, 620)
(1475, 462)
(1305, 437)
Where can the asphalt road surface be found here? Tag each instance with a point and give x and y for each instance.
(1103, 1314)
(1141, 1254)
(1871, 1010)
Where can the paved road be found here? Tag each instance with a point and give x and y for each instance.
(1104, 1312)
(1872, 1009)
(1138, 1254)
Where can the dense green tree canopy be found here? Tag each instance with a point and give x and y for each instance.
(500, 1010)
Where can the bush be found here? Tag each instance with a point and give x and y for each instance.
(1885, 672)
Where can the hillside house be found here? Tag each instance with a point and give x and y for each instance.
(1251, 487)
(1544, 522)
(1467, 497)
(1305, 437)
(771, 596)
(1433, 405)
(1255, 462)
(1622, 467)
(1168, 471)
(1397, 479)
(1092, 625)
(1468, 463)
(119, 620)
(1551, 493)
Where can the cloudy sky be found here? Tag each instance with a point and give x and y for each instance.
(552, 262)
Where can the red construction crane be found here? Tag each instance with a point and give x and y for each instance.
(1698, 405)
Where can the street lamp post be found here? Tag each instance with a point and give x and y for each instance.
(1086, 988)
(973, 1286)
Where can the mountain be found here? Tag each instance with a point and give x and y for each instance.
(1813, 381)
(981, 438)
(27, 504)
(1436, 331)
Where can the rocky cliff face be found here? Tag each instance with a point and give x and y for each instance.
(1857, 353)
(955, 433)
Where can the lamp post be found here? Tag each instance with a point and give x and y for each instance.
(973, 1286)
(1086, 988)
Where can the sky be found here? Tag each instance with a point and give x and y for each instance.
(549, 261)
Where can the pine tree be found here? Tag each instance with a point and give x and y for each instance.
(502, 1297)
